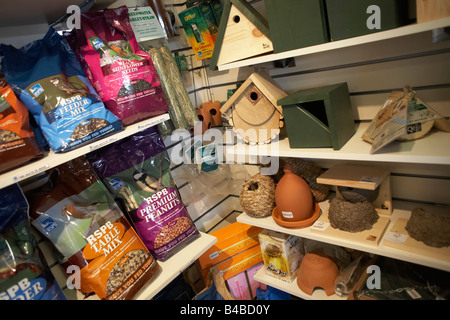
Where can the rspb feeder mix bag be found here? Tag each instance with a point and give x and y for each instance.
(137, 171)
(75, 211)
(48, 78)
(23, 272)
(123, 74)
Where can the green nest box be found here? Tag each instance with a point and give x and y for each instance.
(320, 117)
(352, 18)
(296, 24)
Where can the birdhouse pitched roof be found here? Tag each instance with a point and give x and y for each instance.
(269, 89)
(249, 12)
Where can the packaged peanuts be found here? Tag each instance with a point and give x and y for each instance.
(137, 171)
(74, 210)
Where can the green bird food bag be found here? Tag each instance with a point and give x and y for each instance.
(76, 212)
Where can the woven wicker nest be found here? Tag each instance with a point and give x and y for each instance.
(352, 217)
(431, 228)
(309, 172)
(258, 196)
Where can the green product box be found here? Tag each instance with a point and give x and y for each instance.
(352, 18)
(198, 30)
(320, 117)
(296, 24)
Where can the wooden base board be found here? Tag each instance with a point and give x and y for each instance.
(398, 238)
(370, 237)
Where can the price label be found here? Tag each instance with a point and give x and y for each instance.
(320, 225)
(31, 173)
(396, 237)
(102, 143)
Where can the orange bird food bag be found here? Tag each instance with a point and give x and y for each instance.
(75, 211)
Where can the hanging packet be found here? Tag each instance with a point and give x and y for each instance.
(123, 74)
(49, 80)
(18, 144)
(137, 172)
(24, 275)
(75, 211)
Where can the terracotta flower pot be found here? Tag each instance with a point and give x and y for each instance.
(293, 197)
(317, 271)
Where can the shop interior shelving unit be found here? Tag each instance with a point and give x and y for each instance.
(434, 150)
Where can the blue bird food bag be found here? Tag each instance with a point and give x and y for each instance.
(49, 80)
(23, 273)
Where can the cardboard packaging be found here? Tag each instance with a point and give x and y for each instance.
(239, 287)
(282, 254)
(201, 29)
(238, 263)
(231, 240)
(254, 284)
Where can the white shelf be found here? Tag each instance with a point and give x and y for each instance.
(432, 149)
(401, 210)
(292, 287)
(374, 37)
(54, 159)
(176, 264)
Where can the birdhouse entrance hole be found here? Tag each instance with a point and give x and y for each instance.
(317, 109)
(236, 19)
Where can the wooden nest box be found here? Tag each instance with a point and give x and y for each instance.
(253, 110)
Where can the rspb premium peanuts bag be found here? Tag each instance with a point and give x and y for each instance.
(123, 74)
(48, 78)
(137, 171)
(75, 211)
(24, 275)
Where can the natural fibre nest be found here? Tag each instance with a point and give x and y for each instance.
(258, 196)
(351, 217)
(431, 228)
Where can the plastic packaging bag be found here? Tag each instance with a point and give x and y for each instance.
(50, 81)
(23, 272)
(123, 75)
(75, 211)
(137, 171)
(18, 144)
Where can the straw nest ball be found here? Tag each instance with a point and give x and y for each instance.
(258, 196)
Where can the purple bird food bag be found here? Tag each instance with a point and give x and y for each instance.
(123, 75)
(137, 172)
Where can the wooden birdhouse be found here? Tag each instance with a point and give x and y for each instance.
(253, 110)
(243, 33)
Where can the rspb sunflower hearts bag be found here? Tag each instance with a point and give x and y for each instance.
(122, 73)
(48, 78)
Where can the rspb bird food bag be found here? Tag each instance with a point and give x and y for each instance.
(48, 78)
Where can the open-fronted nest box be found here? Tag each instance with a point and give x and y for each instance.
(361, 183)
(253, 110)
(243, 33)
(320, 117)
